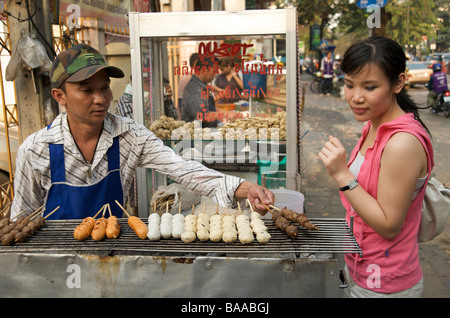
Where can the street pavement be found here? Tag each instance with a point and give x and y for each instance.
(330, 115)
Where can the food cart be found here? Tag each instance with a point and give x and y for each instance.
(52, 263)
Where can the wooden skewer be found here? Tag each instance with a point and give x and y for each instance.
(104, 210)
(23, 211)
(193, 206)
(123, 209)
(217, 208)
(19, 214)
(45, 217)
(109, 209)
(268, 209)
(98, 212)
(33, 215)
(274, 207)
(250, 205)
(167, 206)
(239, 208)
(179, 208)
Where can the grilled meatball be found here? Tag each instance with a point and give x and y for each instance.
(20, 237)
(8, 238)
(275, 215)
(281, 223)
(292, 231)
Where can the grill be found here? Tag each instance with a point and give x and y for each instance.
(310, 262)
(57, 237)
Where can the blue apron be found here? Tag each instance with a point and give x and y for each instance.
(80, 201)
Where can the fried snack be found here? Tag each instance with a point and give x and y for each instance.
(138, 226)
(113, 227)
(83, 230)
(99, 231)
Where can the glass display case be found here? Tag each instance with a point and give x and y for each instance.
(218, 87)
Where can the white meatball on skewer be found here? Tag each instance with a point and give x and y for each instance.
(166, 223)
(154, 234)
(190, 228)
(258, 226)
(245, 232)
(178, 224)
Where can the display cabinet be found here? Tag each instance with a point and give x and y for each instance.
(246, 130)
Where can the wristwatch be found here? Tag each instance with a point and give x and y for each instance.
(351, 185)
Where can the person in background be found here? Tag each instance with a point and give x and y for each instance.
(87, 157)
(383, 183)
(437, 84)
(169, 108)
(124, 106)
(186, 78)
(327, 69)
(229, 81)
(198, 97)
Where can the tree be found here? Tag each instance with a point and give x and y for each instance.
(410, 20)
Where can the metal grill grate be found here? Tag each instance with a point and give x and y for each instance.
(333, 237)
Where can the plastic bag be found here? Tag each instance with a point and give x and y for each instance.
(29, 54)
(174, 194)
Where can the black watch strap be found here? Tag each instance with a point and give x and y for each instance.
(351, 185)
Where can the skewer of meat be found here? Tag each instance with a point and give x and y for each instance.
(84, 229)
(6, 221)
(39, 220)
(19, 234)
(16, 226)
(136, 224)
(282, 223)
(300, 218)
(30, 218)
(35, 223)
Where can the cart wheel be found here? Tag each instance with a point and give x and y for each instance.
(315, 87)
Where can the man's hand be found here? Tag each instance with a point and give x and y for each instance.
(256, 195)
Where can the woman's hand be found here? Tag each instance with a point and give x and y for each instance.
(334, 158)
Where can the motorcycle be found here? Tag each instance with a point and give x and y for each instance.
(442, 104)
(316, 85)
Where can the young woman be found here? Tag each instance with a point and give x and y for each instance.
(383, 184)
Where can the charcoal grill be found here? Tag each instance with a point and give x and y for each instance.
(51, 263)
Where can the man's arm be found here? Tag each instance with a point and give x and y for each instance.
(28, 194)
(256, 195)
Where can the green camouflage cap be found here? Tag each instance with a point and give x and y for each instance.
(79, 63)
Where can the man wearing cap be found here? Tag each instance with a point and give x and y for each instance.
(87, 156)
